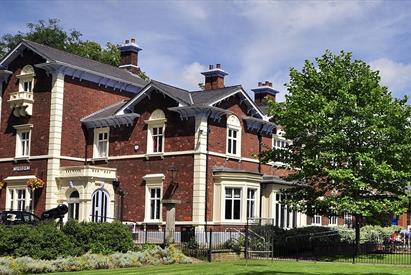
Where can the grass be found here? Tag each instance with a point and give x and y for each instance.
(260, 267)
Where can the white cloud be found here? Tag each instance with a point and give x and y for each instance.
(191, 75)
(395, 75)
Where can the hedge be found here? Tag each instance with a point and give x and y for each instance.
(46, 241)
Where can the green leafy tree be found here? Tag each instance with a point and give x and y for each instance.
(50, 33)
(351, 140)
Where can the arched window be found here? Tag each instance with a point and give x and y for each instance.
(155, 132)
(26, 79)
(233, 136)
(74, 205)
(100, 201)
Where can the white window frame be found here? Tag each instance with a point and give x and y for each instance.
(283, 142)
(153, 181)
(155, 203)
(315, 218)
(156, 120)
(96, 146)
(13, 200)
(20, 151)
(282, 216)
(26, 76)
(348, 217)
(233, 125)
(101, 205)
(251, 203)
(74, 206)
(333, 220)
(232, 199)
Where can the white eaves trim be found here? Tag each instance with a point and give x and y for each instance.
(134, 100)
(240, 90)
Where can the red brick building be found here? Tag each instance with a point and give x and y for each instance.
(113, 146)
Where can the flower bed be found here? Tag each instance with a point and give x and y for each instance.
(153, 256)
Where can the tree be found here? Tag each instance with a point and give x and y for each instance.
(50, 33)
(351, 140)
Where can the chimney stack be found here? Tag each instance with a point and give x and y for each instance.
(214, 77)
(263, 92)
(129, 56)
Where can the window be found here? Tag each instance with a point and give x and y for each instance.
(251, 203)
(348, 219)
(73, 206)
(153, 197)
(27, 86)
(283, 217)
(26, 79)
(157, 136)
(155, 203)
(333, 220)
(23, 140)
(232, 203)
(101, 142)
(233, 136)
(100, 204)
(279, 142)
(155, 132)
(232, 142)
(20, 199)
(317, 220)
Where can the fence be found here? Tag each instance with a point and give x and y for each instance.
(200, 243)
(265, 242)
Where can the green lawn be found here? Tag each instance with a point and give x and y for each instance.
(260, 267)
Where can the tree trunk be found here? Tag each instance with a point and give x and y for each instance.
(357, 234)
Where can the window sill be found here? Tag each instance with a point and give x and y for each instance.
(153, 222)
(22, 159)
(153, 155)
(105, 159)
(234, 157)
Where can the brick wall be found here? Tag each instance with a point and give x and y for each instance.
(40, 132)
(81, 99)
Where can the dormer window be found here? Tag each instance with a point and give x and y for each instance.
(155, 132)
(21, 101)
(233, 136)
(101, 142)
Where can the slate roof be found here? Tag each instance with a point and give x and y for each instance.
(52, 54)
(207, 97)
(105, 112)
(175, 92)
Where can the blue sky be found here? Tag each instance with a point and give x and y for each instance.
(253, 40)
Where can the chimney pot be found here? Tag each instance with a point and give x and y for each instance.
(129, 56)
(214, 77)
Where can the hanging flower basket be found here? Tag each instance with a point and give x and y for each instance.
(2, 184)
(35, 183)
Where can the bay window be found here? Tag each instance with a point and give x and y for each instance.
(232, 203)
(251, 203)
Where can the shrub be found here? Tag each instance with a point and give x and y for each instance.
(43, 241)
(103, 238)
(154, 256)
(46, 241)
